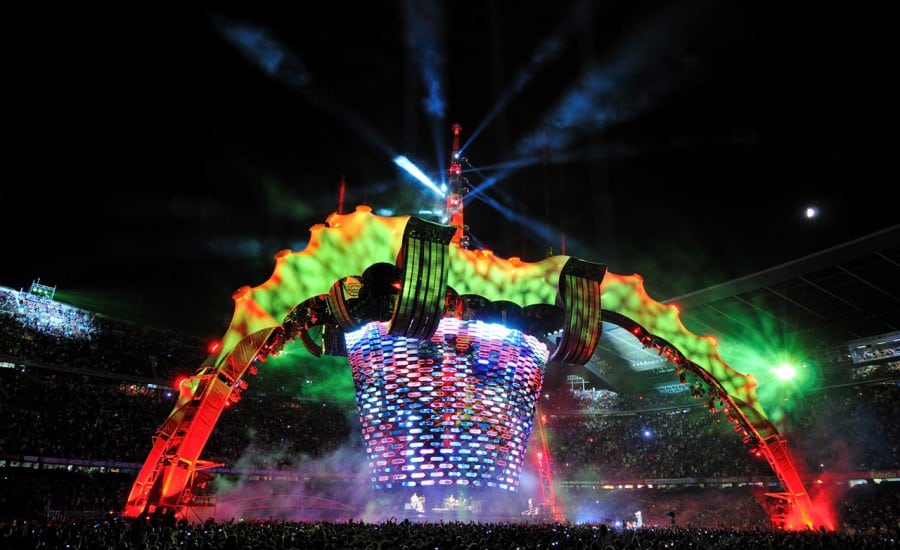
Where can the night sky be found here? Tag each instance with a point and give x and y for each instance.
(157, 157)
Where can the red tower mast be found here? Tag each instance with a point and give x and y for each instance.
(454, 204)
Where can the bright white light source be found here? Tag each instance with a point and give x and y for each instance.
(811, 212)
(784, 372)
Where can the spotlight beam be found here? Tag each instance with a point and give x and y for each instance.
(603, 95)
(546, 52)
(424, 40)
(414, 171)
(611, 93)
(588, 108)
(275, 59)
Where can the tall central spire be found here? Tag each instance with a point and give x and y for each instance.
(454, 204)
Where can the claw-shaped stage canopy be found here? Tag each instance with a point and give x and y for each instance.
(447, 347)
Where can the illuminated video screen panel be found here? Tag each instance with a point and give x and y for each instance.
(456, 409)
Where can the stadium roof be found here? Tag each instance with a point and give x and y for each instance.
(820, 304)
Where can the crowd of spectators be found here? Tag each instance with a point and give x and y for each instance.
(875, 351)
(38, 331)
(823, 427)
(69, 415)
(663, 444)
(88, 402)
(848, 428)
(122, 534)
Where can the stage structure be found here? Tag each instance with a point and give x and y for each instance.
(447, 347)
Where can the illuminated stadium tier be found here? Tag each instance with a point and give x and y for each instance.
(455, 409)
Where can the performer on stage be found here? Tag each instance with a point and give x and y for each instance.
(417, 503)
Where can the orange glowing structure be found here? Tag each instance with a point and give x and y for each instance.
(405, 279)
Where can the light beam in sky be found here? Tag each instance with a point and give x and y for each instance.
(415, 172)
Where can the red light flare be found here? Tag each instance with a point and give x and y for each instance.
(214, 346)
(824, 508)
(822, 518)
